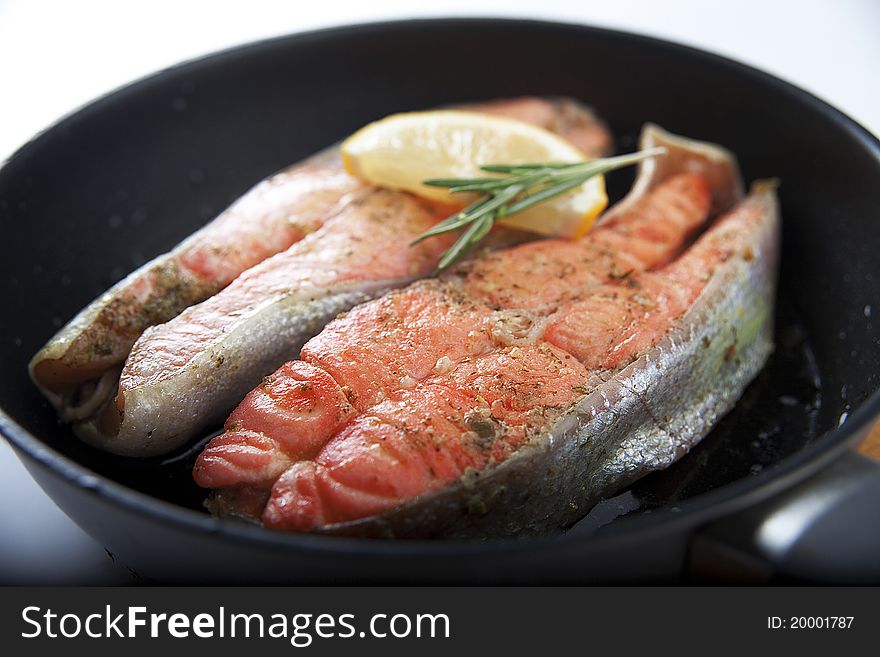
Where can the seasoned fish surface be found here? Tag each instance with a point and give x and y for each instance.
(443, 408)
(187, 373)
(190, 371)
(533, 451)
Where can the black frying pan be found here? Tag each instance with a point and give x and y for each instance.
(130, 175)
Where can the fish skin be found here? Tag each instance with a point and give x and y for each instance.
(171, 387)
(300, 487)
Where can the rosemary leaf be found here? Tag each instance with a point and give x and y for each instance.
(455, 182)
(466, 242)
(520, 186)
(455, 221)
(545, 194)
(517, 168)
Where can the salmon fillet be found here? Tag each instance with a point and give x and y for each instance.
(187, 373)
(406, 395)
(481, 412)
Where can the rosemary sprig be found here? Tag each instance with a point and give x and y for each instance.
(515, 188)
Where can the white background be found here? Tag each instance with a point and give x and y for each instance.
(56, 56)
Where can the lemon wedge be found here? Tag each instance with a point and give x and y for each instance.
(402, 150)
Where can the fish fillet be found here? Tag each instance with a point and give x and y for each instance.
(186, 373)
(276, 213)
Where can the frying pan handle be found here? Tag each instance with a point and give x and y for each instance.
(826, 529)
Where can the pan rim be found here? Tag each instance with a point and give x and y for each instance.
(690, 513)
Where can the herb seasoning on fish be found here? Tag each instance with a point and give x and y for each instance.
(521, 186)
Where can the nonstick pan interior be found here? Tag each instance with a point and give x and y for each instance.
(132, 174)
